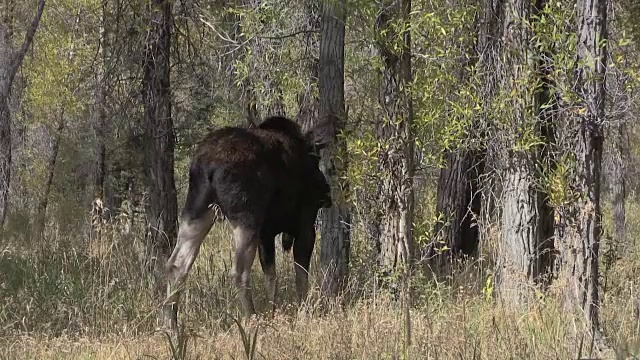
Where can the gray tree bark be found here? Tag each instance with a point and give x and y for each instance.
(156, 91)
(581, 221)
(617, 155)
(522, 264)
(10, 62)
(335, 234)
(618, 183)
(397, 159)
(487, 79)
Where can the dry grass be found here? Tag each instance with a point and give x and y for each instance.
(86, 299)
(368, 330)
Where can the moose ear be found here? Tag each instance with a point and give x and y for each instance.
(321, 133)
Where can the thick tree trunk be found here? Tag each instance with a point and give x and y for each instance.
(459, 204)
(335, 243)
(396, 160)
(581, 220)
(162, 208)
(10, 62)
(522, 262)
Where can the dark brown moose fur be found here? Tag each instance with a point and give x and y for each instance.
(265, 181)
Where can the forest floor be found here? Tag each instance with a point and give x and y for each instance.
(84, 299)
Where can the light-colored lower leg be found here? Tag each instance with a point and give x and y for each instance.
(246, 246)
(190, 237)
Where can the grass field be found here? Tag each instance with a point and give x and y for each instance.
(84, 298)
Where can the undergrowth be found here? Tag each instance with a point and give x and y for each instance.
(88, 298)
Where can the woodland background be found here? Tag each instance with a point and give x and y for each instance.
(484, 173)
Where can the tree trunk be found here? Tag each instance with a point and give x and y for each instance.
(247, 92)
(10, 62)
(518, 264)
(308, 101)
(522, 261)
(100, 114)
(162, 208)
(458, 198)
(581, 220)
(487, 78)
(5, 159)
(6, 53)
(335, 243)
(618, 185)
(41, 213)
(396, 160)
(618, 158)
(459, 204)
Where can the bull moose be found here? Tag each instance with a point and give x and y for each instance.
(265, 181)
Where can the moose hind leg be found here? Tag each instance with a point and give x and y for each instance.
(191, 233)
(246, 244)
(267, 253)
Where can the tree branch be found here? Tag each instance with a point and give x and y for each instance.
(18, 57)
(280, 37)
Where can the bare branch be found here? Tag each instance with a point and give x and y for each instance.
(280, 37)
(17, 59)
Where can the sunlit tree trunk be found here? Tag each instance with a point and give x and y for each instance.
(335, 243)
(522, 256)
(396, 134)
(581, 221)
